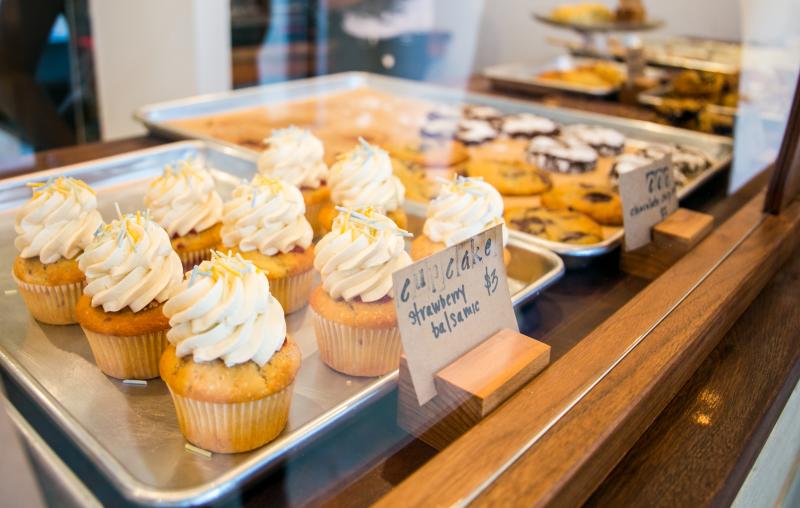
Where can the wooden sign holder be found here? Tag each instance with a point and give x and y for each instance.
(471, 387)
(672, 238)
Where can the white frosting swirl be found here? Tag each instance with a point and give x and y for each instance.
(357, 260)
(184, 200)
(130, 263)
(58, 222)
(363, 177)
(224, 310)
(463, 208)
(267, 215)
(294, 155)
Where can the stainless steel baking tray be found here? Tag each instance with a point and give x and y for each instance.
(130, 433)
(157, 117)
(655, 97)
(526, 77)
(59, 485)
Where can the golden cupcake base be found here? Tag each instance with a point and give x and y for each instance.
(357, 351)
(128, 357)
(233, 427)
(52, 305)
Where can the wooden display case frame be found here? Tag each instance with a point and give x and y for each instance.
(558, 438)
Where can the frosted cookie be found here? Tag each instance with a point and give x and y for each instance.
(688, 161)
(475, 132)
(485, 113)
(606, 141)
(562, 154)
(526, 125)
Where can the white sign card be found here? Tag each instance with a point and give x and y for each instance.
(450, 302)
(648, 197)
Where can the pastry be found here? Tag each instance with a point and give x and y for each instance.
(564, 226)
(363, 177)
(265, 223)
(52, 229)
(475, 132)
(354, 314)
(430, 154)
(526, 125)
(183, 201)
(630, 11)
(130, 270)
(418, 186)
(588, 13)
(562, 154)
(606, 141)
(463, 208)
(230, 365)
(600, 203)
(594, 75)
(510, 178)
(480, 112)
(297, 157)
(690, 162)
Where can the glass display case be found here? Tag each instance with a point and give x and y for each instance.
(401, 252)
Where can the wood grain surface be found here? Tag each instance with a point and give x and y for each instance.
(585, 444)
(470, 388)
(703, 444)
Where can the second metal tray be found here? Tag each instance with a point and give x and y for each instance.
(130, 433)
(160, 118)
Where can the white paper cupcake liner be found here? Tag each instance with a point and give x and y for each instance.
(233, 427)
(357, 351)
(128, 357)
(53, 305)
(292, 292)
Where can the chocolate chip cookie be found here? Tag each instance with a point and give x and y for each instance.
(510, 178)
(598, 202)
(565, 226)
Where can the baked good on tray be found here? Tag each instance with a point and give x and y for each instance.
(354, 316)
(183, 201)
(464, 207)
(296, 156)
(565, 226)
(264, 222)
(475, 131)
(363, 177)
(130, 270)
(53, 228)
(598, 202)
(230, 365)
(510, 177)
(687, 162)
(527, 125)
(605, 140)
(562, 154)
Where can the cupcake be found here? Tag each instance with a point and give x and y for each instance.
(363, 178)
(264, 222)
(52, 229)
(130, 270)
(354, 314)
(463, 208)
(229, 365)
(295, 156)
(183, 201)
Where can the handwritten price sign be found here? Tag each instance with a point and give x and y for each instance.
(449, 303)
(648, 197)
